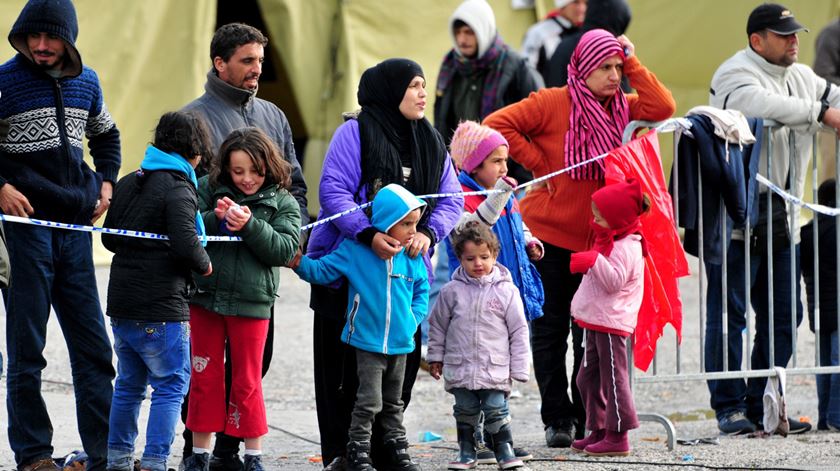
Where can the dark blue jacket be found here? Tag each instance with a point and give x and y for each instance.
(49, 117)
(828, 271)
(732, 179)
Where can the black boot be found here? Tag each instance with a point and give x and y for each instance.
(466, 444)
(397, 456)
(520, 453)
(503, 447)
(358, 457)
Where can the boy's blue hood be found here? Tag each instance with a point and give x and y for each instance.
(391, 204)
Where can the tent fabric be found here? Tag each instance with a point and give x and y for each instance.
(151, 57)
(666, 262)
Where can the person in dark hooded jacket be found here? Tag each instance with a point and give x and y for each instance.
(53, 103)
(611, 15)
(150, 286)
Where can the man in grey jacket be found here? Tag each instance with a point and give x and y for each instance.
(765, 81)
(230, 102)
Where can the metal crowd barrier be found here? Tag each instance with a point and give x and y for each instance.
(680, 374)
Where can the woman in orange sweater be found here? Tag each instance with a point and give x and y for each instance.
(550, 130)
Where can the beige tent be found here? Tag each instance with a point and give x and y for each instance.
(152, 55)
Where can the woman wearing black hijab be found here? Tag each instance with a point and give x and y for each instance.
(389, 141)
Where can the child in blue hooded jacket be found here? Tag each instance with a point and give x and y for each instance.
(387, 300)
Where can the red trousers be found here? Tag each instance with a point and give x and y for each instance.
(244, 415)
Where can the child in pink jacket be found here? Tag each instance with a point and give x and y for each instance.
(478, 340)
(606, 306)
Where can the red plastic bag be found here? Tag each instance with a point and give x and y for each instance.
(666, 261)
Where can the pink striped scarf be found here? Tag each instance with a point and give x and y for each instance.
(595, 128)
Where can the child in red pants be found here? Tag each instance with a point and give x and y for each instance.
(245, 195)
(606, 306)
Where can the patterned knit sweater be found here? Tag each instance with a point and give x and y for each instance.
(43, 155)
(558, 212)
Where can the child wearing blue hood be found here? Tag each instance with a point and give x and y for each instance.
(387, 300)
(150, 285)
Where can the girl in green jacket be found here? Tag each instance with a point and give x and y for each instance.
(244, 195)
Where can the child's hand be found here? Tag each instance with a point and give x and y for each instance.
(522, 378)
(222, 207)
(535, 251)
(295, 261)
(435, 369)
(237, 217)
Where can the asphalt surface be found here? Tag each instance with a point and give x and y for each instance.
(292, 440)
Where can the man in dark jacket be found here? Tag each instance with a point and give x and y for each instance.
(611, 15)
(480, 74)
(230, 102)
(52, 102)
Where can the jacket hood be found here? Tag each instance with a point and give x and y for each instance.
(391, 204)
(611, 15)
(56, 17)
(479, 16)
(499, 274)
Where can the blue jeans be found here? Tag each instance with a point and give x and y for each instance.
(52, 267)
(737, 395)
(148, 353)
(828, 386)
(470, 404)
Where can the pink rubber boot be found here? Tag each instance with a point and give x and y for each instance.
(594, 437)
(613, 444)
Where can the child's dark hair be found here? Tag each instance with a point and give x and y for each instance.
(264, 153)
(826, 194)
(476, 233)
(183, 133)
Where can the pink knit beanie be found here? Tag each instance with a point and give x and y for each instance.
(472, 143)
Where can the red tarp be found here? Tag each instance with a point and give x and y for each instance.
(666, 262)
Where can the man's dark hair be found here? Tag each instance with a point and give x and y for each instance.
(183, 133)
(231, 36)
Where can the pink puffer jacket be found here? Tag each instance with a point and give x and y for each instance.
(477, 328)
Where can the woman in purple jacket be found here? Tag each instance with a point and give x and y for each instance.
(389, 141)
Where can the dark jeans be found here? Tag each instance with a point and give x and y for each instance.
(225, 444)
(736, 395)
(336, 381)
(52, 267)
(549, 340)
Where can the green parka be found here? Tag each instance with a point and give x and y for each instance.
(246, 274)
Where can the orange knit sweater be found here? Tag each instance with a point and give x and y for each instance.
(558, 212)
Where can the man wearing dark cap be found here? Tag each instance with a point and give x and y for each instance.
(765, 81)
(52, 103)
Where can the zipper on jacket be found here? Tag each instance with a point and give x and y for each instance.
(352, 318)
(61, 120)
(390, 264)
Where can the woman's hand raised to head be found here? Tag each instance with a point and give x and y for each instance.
(385, 246)
(629, 48)
(419, 246)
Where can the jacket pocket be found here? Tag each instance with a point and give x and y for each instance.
(351, 317)
(452, 367)
(499, 368)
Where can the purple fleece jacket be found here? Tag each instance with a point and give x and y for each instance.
(339, 191)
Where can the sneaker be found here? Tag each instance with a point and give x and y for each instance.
(253, 463)
(559, 436)
(41, 465)
(339, 463)
(230, 462)
(797, 427)
(735, 423)
(197, 462)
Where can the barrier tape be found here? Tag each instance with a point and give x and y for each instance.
(150, 235)
(818, 208)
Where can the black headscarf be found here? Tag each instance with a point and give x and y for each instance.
(390, 141)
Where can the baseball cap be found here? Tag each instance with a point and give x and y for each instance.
(775, 18)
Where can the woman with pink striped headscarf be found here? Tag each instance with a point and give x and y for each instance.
(558, 128)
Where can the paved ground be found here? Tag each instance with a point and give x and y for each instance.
(291, 442)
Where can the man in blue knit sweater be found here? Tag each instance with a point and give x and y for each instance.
(51, 102)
